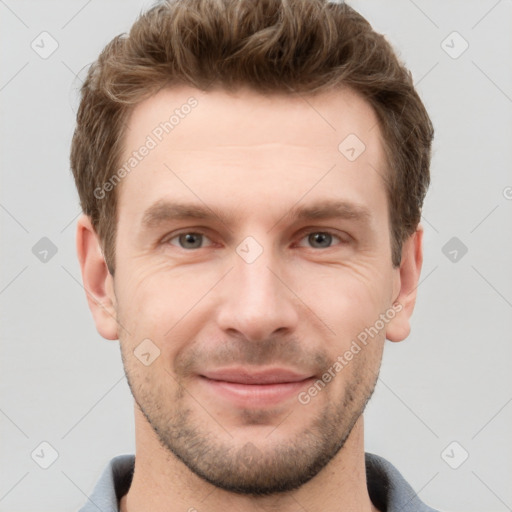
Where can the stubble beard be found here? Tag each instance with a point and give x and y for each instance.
(253, 469)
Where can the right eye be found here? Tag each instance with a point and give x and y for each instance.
(188, 240)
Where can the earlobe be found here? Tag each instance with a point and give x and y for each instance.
(97, 280)
(407, 282)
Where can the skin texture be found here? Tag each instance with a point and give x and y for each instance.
(252, 160)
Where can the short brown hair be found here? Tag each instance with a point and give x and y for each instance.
(282, 46)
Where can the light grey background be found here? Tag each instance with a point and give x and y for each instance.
(450, 381)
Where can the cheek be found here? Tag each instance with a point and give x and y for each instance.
(163, 302)
(158, 302)
(347, 298)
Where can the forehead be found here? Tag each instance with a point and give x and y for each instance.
(222, 147)
(247, 117)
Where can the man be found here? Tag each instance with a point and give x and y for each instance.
(251, 176)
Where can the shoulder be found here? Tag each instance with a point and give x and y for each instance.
(113, 483)
(388, 489)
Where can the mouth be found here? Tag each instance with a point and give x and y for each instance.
(243, 387)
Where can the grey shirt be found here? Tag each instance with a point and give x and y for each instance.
(388, 490)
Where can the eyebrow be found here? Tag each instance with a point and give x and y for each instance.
(164, 211)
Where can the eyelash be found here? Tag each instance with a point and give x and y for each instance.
(303, 235)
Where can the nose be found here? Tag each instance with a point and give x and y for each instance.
(257, 299)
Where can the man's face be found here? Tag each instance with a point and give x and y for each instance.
(251, 303)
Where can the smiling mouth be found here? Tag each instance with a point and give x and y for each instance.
(262, 388)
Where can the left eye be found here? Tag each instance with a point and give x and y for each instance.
(321, 239)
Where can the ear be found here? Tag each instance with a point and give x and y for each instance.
(98, 282)
(406, 284)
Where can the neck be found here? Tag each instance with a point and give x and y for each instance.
(161, 482)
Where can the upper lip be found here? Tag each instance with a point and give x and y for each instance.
(251, 376)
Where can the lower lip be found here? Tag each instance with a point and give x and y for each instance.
(255, 395)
